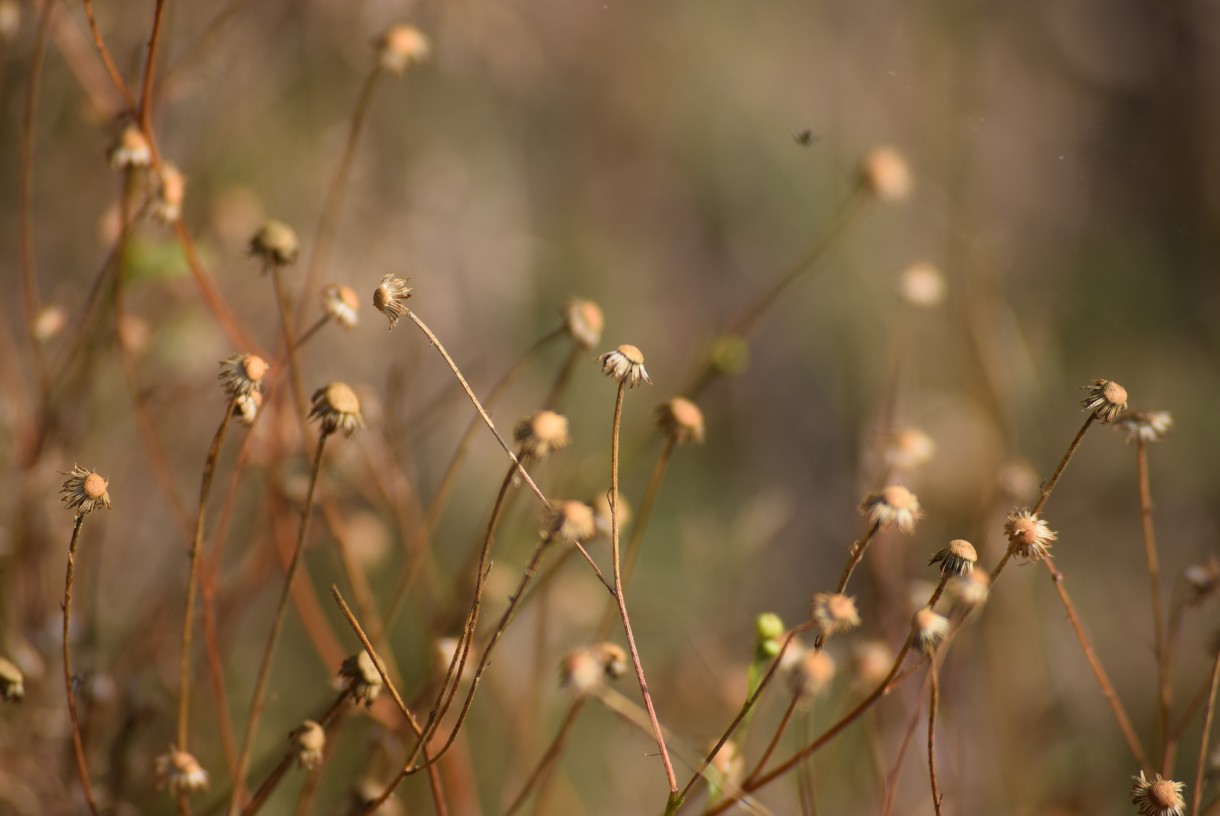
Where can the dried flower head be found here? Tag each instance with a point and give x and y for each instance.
(246, 407)
(242, 374)
(171, 190)
(569, 522)
(958, 558)
(84, 491)
(601, 512)
(585, 670)
(49, 322)
(1201, 580)
(389, 297)
(337, 408)
(922, 284)
(885, 174)
(276, 243)
(1106, 400)
(366, 792)
(969, 591)
(681, 420)
(812, 676)
(179, 772)
(130, 150)
(834, 613)
(894, 505)
(1146, 426)
(583, 320)
(1029, 537)
(12, 682)
(541, 433)
(400, 48)
(870, 662)
(309, 740)
(1160, 797)
(908, 449)
(360, 677)
(930, 629)
(625, 364)
(341, 304)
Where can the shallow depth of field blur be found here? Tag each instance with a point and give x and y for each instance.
(650, 157)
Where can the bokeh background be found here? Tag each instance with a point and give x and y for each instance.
(1066, 185)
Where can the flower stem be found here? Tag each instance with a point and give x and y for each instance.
(1201, 765)
(1158, 614)
(78, 745)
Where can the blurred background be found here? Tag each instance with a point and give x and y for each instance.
(671, 162)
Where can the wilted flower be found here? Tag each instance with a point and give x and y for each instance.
(969, 591)
(1201, 580)
(242, 374)
(812, 676)
(1146, 426)
(930, 629)
(1029, 537)
(130, 150)
(894, 505)
(585, 670)
(625, 364)
(956, 559)
(389, 297)
(570, 521)
(541, 433)
(359, 675)
(583, 321)
(834, 613)
(84, 491)
(336, 407)
(309, 740)
(1160, 797)
(1106, 400)
(245, 407)
(276, 243)
(681, 420)
(179, 772)
(341, 304)
(400, 48)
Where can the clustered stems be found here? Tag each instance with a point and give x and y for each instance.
(78, 745)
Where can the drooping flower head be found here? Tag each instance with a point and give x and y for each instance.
(681, 420)
(1146, 426)
(1106, 400)
(957, 559)
(389, 298)
(276, 243)
(895, 505)
(337, 408)
(341, 304)
(541, 433)
(583, 320)
(625, 364)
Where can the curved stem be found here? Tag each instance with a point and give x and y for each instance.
(933, 701)
(120, 85)
(150, 68)
(78, 745)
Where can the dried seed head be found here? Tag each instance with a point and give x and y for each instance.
(130, 150)
(625, 364)
(359, 675)
(389, 297)
(246, 407)
(1029, 537)
(885, 174)
(49, 322)
(601, 512)
(894, 505)
(171, 190)
(179, 772)
(834, 613)
(586, 670)
(1106, 400)
(1201, 580)
(909, 449)
(242, 374)
(12, 682)
(958, 558)
(871, 661)
(969, 591)
(1159, 797)
(400, 48)
(922, 285)
(569, 522)
(337, 408)
(583, 320)
(341, 304)
(812, 675)
(84, 491)
(366, 792)
(541, 433)
(728, 763)
(309, 740)
(681, 420)
(930, 629)
(1146, 426)
(276, 243)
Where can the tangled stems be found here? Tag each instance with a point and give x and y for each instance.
(264, 670)
(78, 745)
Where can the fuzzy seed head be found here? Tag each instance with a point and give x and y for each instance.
(1159, 797)
(390, 298)
(812, 676)
(569, 522)
(909, 449)
(242, 374)
(625, 364)
(584, 671)
(171, 190)
(885, 174)
(130, 150)
(337, 408)
(341, 304)
(12, 682)
(309, 741)
(958, 558)
(400, 48)
(922, 285)
(895, 505)
(84, 491)
(1106, 400)
(1147, 427)
(541, 433)
(49, 322)
(930, 629)
(359, 675)
(871, 661)
(583, 320)
(969, 591)
(179, 772)
(1029, 537)
(276, 243)
(681, 420)
(834, 613)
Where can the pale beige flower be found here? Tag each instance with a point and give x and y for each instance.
(908, 449)
(1158, 797)
(242, 374)
(930, 629)
(541, 433)
(958, 558)
(130, 150)
(1106, 400)
(895, 505)
(85, 490)
(834, 613)
(812, 676)
(276, 243)
(309, 740)
(969, 591)
(171, 190)
(885, 174)
(1029, 536)
(359, 676)
(12, 682)
(625, 364)
(341, 304)
(921, 284)
(337, 408)
(389, 298)
(583, 320)
(1146, 426)
(586, 670)
(570, 522)
(681, 420)
(401, 47)
(179, 772)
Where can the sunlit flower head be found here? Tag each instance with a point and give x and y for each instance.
(359, 676)
(834, 613)
(1029, 536)
(541, 433)
(179, 772)
(337, 408)
(85, 491)
(895, 505)
(1106, 400)
(583, 320)
(681, 420)
(390, 298)
(1158, 797)
(570, 522)
(930, 629)
(625, 364)
(401, 47)
(309, 741)
(341, 304)
(957, 559)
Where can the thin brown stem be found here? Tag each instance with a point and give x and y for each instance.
(774, 743)
(120, 85)
(78, 744)
(192, 581)
(290, 345)
(891, 779)
(277, 623)
(1201, 764)
(150, 68)
(854, 556)
(1164, 682)
(1063, 463)
(933, 702)
(212, 299)
(436, 344)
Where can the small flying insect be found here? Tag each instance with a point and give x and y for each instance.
(806, 137)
